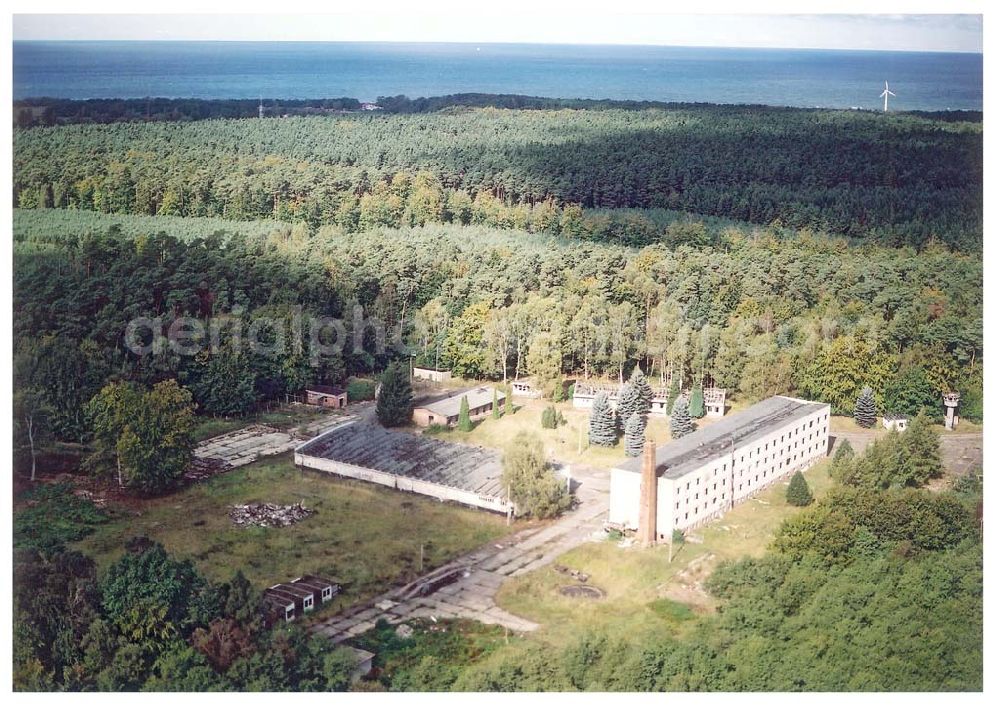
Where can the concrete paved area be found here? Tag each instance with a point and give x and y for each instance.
(472, 595)
(246, 445)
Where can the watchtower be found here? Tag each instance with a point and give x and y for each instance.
(950, 404)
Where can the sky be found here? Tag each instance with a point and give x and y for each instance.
(963, 33)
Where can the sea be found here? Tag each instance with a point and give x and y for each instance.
(929, 81)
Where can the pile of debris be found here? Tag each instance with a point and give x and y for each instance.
(268, 515)
(572, 572)
(201, 468)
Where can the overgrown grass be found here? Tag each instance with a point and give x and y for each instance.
(567, 443)
(50, 516)
(366, 535)
(282, 417)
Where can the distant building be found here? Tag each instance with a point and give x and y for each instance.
(895, 421)
(585, 393)
(445, 411)
(371, 107)
(525, 389)
(702, 475)
(428, 374)
(326, 396)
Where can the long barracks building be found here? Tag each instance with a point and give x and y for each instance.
(705, 474)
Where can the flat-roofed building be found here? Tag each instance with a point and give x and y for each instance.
(445, 411)
(704, 474)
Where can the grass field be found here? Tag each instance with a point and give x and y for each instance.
(368, 536)
(567, 443)
(647, 595)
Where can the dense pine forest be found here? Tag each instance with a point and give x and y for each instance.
(894, 179)
(759, 314)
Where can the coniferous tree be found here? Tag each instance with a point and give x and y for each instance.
(603, 429)
(628, 401)
(635, 435)
(798, 493)
(921, 454)
(395, 397)
(508, 401)
(697, 406)
(673, 393)
(680, 419)
(496, 405)
(636, 396)
(464, 421)
(843, 460)
(864, 408)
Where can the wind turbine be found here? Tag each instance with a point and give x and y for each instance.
(885, 94)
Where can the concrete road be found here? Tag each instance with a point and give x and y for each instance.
(472, 595)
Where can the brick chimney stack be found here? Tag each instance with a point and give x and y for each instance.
(647, 496)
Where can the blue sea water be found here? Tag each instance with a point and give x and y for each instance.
(781, 77)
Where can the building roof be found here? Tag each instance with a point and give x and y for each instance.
(450, 406)
(677, 458)
(331, 390)
(472, 469)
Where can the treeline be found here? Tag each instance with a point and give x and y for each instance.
(896, 179)
(59, 111)
(758, 315)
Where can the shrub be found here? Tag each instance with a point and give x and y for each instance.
(359, 389)
(798, 493)
(552, 418)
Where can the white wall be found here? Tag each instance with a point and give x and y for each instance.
(406, 484)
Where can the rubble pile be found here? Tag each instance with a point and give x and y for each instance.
(268, 515)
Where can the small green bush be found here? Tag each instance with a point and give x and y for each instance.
(552, 418)
(360, 390)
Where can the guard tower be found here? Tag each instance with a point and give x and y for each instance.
(950, 404)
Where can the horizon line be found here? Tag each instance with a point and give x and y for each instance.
(495, 43)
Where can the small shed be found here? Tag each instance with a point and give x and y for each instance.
(895, 421)
(362, 663)
(323, 588)
(278, 607)
(304, 599)
(326, 396)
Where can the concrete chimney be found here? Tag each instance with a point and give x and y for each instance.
(647, 496)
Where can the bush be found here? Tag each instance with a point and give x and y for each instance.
(359, 389)
(533, 488)
(798, 493)
(552, 418)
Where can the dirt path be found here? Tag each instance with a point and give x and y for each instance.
(479, 574)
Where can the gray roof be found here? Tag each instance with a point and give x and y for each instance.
(472, 469)
(449, 407)
(678, 457)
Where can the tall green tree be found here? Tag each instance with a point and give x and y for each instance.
(603, 426)
(394, 403)
(464, 422)
(680, 419)
(535, 490)
(635, 435)
(798, 492)
(147, 433)
(864, 408)
(921, 458)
